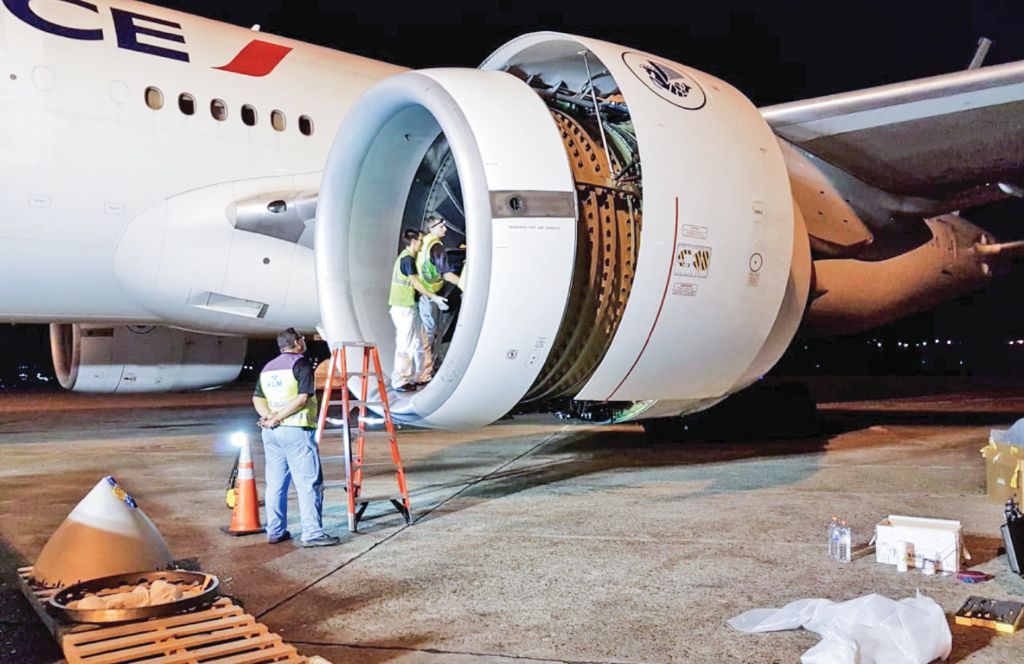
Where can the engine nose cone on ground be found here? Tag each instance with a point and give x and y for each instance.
(106, 534)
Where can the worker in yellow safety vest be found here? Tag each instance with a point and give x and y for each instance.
(285, 398)
(434, 270)
(405, 289)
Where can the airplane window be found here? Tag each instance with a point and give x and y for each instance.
(187, 103)
(249, 115)
(277, 120)
(219, 110)
(306, 125)
(154, 98)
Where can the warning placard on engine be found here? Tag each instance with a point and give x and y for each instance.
(684, 289)
(692, 260)
(695, 232)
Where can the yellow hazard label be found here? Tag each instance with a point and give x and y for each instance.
(692, 260)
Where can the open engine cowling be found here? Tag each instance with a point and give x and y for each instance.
(629, 228)
(142, 358)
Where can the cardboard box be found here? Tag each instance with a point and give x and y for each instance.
(936, 540)
(1004, 468)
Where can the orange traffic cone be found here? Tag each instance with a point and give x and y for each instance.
(245, 517)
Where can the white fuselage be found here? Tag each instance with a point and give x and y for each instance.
(82, 153)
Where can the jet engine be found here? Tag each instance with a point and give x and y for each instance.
(626, 224)
(142, 358)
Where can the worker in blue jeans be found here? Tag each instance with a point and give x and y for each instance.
(285, 398)
(434, 270)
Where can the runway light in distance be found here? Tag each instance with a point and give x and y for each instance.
(239, 438)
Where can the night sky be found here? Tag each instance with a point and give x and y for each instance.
(772, 51)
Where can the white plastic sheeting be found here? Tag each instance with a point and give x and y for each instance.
(867, 630)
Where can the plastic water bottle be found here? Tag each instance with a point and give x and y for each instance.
(833, 541)
(845, 535)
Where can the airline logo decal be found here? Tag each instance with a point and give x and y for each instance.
(257, 58)
(664, 80)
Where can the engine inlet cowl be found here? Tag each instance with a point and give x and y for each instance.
(519, 223)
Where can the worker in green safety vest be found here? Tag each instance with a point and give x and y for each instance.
(434, 270)
(405, 289)
(285, 398)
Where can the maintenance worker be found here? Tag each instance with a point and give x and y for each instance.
(405, 289)
(285, 398)
(434, 269)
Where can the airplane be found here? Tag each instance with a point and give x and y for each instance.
(637, 233)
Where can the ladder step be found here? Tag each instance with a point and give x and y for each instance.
(373, 499)
(356, 374)
(341, 457)
(339, 425)
(355, 402)
(356, 344)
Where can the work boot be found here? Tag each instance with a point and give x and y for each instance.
(323, 540)
(283, 537)
(408, 387)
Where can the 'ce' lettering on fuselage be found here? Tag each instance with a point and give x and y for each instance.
(257, 58)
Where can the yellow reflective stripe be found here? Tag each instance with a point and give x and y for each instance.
(431, 278)
(306, 417)
(280, 387)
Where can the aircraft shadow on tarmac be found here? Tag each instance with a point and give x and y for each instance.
(589, 453)
(707, 448)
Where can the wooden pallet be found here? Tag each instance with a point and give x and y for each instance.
(221, 634)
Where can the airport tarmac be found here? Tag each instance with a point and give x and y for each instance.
(534, 540)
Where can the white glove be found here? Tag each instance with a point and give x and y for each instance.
(442, 303)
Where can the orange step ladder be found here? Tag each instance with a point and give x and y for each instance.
(337, 379)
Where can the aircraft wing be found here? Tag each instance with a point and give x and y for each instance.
(950, 138)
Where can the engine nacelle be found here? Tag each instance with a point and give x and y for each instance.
(142, 358)
(629, 228)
